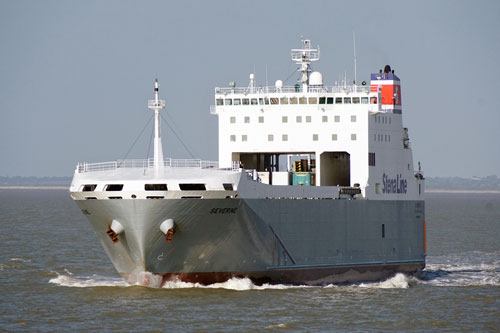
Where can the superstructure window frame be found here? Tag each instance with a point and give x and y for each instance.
(155, 187)
(113, 187)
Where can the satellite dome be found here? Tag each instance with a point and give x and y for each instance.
(316, 79)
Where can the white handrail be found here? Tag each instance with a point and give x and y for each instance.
(145, 164)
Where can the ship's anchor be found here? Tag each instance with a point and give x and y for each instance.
(168, 228)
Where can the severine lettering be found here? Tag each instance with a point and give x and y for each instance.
(223, 211)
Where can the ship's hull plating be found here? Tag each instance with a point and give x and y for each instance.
(267, 240)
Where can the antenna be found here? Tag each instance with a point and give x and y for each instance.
(304, 57)
(157, 105)
(355, 69)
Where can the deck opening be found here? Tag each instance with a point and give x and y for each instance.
(383, 230)
(89, 187)
(155, 187)
(192, 187)
(228, 187)
(155, 197)
(335, 169)
(114, 197)
(114, 187)
(191, 197)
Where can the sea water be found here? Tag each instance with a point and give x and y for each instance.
(54, 275)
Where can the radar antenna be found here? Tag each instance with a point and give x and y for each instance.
(157, 105)
(304, 57)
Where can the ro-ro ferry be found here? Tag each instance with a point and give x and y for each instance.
(314, 185)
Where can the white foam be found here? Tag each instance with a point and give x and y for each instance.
(20, 259)
(239, 284)
(86, 282)
(398, 281)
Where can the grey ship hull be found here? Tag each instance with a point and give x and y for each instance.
(300, 241)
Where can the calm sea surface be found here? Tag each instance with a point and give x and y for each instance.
(55, 276)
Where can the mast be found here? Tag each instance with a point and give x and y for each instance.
(304, 57)
(157, 105)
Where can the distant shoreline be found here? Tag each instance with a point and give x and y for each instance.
(462, 191)
(34, 187)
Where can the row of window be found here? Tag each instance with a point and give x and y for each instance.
(295, 100)
(382, 120)
(382, 137)
(284, 137)
(298, 119)
(154, 187)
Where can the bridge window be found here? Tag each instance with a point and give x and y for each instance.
(329, 100)
(228, 101)
(302, 100)
(114, 187)
(355, 100)
(347, 100)
(322, 100)
(283, 100)
(261, 101)
(338, 100)
(254, 101)
(373, 100)
(192, 187)
(245, 101)
(219, 101)
(364, 100)
(237, 101)
(284, 119)
(274, 100)
(266, 101)
(313, 100)
(293, 100)
(155, 187)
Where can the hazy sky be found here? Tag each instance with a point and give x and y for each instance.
(75, 76)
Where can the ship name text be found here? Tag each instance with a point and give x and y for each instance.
(394, 185)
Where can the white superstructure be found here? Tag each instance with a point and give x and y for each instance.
(350, 135)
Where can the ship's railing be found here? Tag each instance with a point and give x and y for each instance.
(144, 164)
(293, 89)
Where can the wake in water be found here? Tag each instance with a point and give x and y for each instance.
(465, 269)
(399, 281)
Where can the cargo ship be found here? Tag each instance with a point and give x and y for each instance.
(315, 184)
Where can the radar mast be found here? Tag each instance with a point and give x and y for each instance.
(304, 57)
(157, 105)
